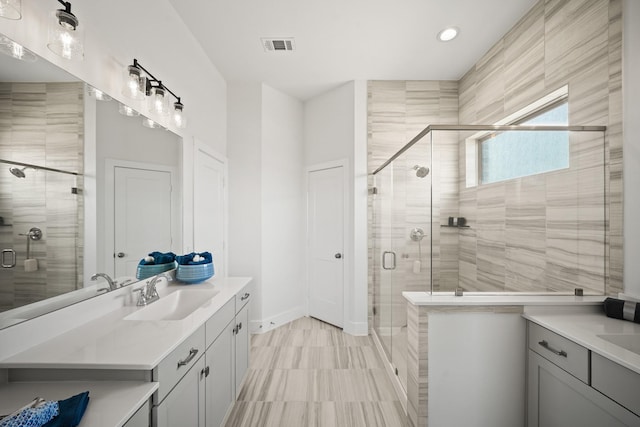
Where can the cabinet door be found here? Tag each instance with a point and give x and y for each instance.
(220, 379)
(184, 405)
(242, 346)
(557, 399)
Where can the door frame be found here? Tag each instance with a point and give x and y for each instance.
(347, 249)
(199, 146)
(109, 200)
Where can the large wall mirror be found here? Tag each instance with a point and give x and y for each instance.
(82, 187)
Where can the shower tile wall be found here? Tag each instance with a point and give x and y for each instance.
(397, 111)
(545, 233)
(539, 233)
(42, 124)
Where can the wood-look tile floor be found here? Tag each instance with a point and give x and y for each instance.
(309, 373)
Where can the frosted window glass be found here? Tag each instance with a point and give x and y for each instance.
(516, 154)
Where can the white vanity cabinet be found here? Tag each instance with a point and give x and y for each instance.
(559, 390)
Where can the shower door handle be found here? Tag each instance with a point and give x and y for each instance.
(384, 260)
(8, 261)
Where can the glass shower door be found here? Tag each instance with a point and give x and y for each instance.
(383, 258)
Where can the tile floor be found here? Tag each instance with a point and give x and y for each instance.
(309, 373)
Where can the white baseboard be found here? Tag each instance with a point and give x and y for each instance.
(265, 325)
(356, 328)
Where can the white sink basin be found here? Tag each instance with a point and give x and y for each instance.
(175, 306)
(629, 342)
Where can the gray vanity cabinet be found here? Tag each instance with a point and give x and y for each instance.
(185, 404)
(205, 395)
(559, 393)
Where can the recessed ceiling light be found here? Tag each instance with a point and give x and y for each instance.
(448, 34)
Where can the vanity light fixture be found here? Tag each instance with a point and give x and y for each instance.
(448, 34)
(66, 37)
(148, 123)
(11, 9)
(98, 94)
(140, 83)
(15, 50)
(125, 110)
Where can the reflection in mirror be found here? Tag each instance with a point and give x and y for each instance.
(48, 121)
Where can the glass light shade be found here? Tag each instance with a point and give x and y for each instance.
(11, 9)
(66, 38)
(158, 101)
(125, 110)
(98, 94)
(13, 49)
(148, 123)
(134, 83)
(178, 116)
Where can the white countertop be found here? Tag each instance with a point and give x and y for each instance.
(111, 403)
(111, 342)
(488, 299)
(584, 328)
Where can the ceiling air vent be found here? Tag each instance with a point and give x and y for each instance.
(278, 45)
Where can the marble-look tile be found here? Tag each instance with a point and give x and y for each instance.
(294, 381)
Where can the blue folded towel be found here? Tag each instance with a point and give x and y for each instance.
(187, 259)
(158, 258)
(71, 411)
(38, 413)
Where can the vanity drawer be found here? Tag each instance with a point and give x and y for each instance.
(178, 362)
(217, 323)
(243, 297)
(566, 354)
(616, 381)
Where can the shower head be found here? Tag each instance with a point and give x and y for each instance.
(421, 171)
(18, 173)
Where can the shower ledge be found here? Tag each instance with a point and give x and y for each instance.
(491, 299)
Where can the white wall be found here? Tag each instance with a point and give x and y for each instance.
(266, 216)
(631, 145)
(335, 129)
(244, 152)
(282, 207)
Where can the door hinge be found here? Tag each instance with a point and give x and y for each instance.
(374, 311)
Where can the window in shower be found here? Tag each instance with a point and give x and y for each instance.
(516, 154)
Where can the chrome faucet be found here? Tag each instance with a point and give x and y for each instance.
(113, 285)
(149, 293)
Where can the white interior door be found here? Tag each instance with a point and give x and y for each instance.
(209, 207)
(142, 216)
(325, 220)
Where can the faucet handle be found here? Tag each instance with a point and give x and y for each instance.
(142, 297)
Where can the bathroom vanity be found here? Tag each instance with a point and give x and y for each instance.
(178, 361)
(478, 360)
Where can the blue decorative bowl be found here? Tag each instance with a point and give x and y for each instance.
(194, 273)
(145, 271)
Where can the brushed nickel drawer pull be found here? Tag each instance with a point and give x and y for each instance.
(545, 344)
(192, 354)
(245, 296)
